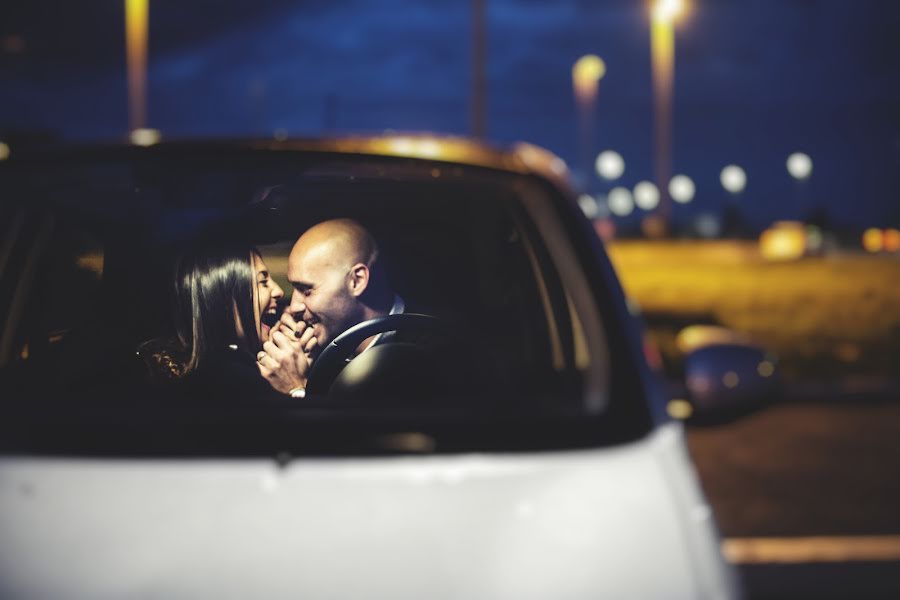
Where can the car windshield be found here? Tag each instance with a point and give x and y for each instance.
(524, 329)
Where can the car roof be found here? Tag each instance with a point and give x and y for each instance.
(519, 157)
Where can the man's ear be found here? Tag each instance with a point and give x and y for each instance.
(358, 279)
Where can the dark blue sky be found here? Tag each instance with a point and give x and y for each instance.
(755, 81)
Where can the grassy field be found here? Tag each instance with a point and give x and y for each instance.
(829, 316)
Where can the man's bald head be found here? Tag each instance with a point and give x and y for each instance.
(338, 243)
(337, 279)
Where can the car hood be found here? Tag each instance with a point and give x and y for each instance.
(574, 524)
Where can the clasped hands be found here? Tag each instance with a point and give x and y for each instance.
(285, 358)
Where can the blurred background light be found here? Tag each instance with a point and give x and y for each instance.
(588, 205)
(694, 337)
(873, 240)
(144, 137)
(731, 379)
(610, 165)
(646, 195)
(602, 207)
(891, 240)
(682, 189)
(620, 201)
(402, 146)
(586, 72)
(708, 225)
(766, 368)
(668, 10)
(814, 238)
(733, 179)
(654, 226)
(605, 228)
(4, 151)
(784, 240)
(429, 149)
(679, 409)
(799, 165)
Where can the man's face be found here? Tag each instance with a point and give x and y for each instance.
(321, 294)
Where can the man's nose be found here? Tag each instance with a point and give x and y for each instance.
(297, 306)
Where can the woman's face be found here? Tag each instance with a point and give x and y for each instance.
(267, 294)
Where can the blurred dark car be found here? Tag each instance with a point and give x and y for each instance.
(549, 468)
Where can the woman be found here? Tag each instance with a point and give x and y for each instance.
(222, 295)
(225, 304)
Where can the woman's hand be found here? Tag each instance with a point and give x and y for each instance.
(297, 331)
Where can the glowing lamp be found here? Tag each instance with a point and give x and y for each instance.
(785, 240)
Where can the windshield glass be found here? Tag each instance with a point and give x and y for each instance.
(234, 282)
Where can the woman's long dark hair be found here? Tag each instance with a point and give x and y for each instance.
(214, 302)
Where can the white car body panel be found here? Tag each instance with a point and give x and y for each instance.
(615, 522)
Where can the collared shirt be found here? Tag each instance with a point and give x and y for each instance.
(396, 309)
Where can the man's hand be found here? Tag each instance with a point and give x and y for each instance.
(283, 361)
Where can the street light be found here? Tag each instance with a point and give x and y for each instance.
(662, 52)
(668, 10)
(620, 202)
(682, 189)
(610, 165)
(144, 137)
(799, 165)
(136, 15)
(586, 75)
(733, 179)
(646, 195)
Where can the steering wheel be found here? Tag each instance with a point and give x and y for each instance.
(334, 357)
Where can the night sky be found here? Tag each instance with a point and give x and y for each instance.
(755, 81)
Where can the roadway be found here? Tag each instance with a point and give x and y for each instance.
(807, 497)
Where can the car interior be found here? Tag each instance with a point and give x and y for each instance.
(87, 268)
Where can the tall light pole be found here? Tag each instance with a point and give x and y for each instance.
(734, 180)
(479, 80)
(136, 12)
(662, 56)
(800, 167)
(586, 75)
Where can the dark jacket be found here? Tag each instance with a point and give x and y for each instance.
(226, 376)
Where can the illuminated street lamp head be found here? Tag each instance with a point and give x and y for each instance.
(799, 165)
(620, 201)
(586, 72)
(734, 179)
(609, 165)
(682, 189)
(144, 137)
(646, 195)
(668, 10)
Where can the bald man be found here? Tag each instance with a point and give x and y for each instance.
(338, 282)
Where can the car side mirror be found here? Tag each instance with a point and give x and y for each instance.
(730, 379)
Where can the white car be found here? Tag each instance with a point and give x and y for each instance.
(548, 470)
